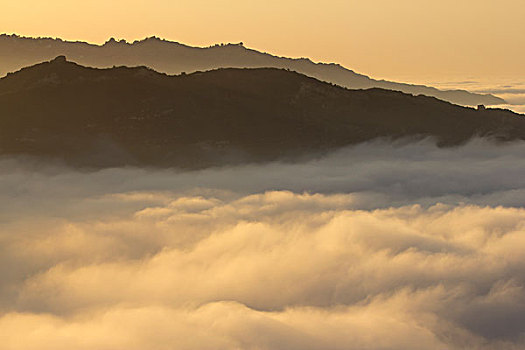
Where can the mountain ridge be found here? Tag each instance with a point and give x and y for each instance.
(122, 116)
(174, 58)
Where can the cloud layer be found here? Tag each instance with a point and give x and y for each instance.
(406, 247)
(511, 90)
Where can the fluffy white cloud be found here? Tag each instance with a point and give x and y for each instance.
(267, 271)
(136, 259)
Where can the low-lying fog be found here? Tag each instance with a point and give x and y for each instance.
(373, 247)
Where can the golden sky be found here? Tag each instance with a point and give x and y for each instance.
(411, 40)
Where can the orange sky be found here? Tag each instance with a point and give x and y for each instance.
(411, 40)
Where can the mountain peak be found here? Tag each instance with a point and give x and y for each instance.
(59, 59)
(113, 41)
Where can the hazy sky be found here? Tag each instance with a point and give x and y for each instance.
(416, 40)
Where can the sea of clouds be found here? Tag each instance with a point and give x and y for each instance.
(511, 90)
(378, 246)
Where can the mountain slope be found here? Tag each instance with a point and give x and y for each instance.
(136, 116)
(174, 58)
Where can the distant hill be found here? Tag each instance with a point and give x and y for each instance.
(136, 116)
(173, 58)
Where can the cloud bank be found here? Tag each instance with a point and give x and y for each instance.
(375, 247)
(511, 90)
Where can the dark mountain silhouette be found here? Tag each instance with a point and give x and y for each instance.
(136, 116)
(174, 58)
